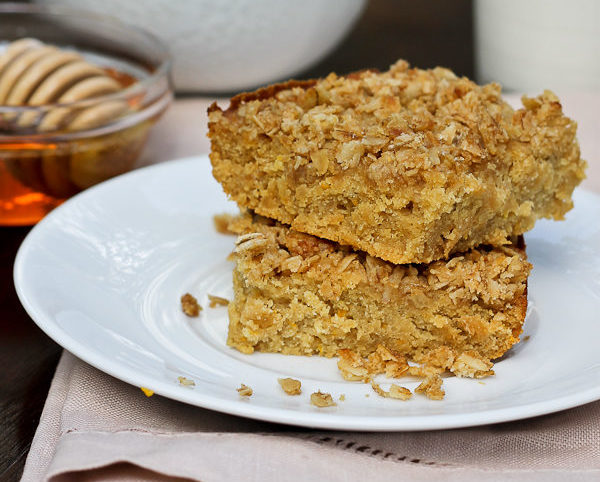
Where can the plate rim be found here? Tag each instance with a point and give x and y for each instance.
(310, 419)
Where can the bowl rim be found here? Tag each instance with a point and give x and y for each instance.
(163, 71)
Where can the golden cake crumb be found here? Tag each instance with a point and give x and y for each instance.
(319, 399)
(432, 388)
(217, 301)
(343, 397)
(290, 386)
(147, 391)
(186, 382)
(244, 391)
(301, 295)
(395, 391)
(221, 222)
(470, 365)
(190, 305)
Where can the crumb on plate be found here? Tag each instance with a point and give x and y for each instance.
(431, 387)
(290, 386)
(190, 306)
(244, 391)
(396, 391)
(320, 399)
(186, 382)
(215, 301)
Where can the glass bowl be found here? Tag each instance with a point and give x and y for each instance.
(43, 163)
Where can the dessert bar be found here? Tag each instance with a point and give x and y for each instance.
(407, 165)
(301, 295)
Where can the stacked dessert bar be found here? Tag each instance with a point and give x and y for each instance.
(386, 209)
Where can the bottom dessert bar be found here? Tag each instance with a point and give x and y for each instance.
(301, 295)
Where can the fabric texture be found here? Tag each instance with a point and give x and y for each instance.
(96, 428)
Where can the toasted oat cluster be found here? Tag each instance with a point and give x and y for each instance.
(298, 294)
(395, 391)
(215, 301)
(408, 165)
(322, 400)
(190, 305)
(244, 391)
(291, 386)
(431, 387)
(353, 367)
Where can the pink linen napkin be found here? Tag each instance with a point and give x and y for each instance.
(97, 428)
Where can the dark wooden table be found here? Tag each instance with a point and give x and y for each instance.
(426, 33)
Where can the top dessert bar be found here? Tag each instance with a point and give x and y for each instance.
(408, 165)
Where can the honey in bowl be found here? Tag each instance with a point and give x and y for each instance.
(60, 129)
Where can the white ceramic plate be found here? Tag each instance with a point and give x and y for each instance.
(102, 275)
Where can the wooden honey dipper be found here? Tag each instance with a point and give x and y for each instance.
(70, 95)
(36, 74)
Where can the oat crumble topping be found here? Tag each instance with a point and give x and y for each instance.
(432, 388)
(471, 365)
